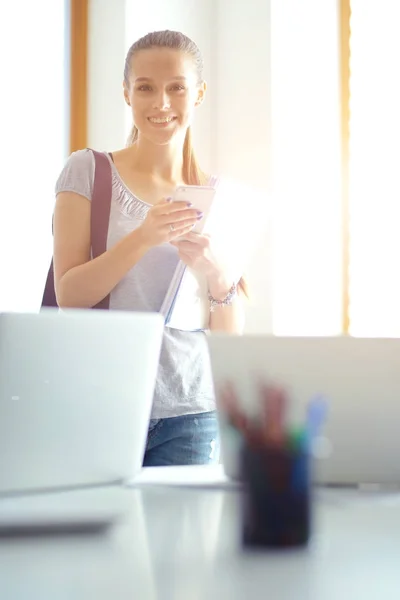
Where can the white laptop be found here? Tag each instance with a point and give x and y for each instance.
(76, 390)
(360, 378)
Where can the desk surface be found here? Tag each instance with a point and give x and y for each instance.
(183, 544)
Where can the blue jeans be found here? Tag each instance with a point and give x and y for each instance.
(185, 440)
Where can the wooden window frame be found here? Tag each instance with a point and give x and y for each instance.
(78, 61)
(344, 49)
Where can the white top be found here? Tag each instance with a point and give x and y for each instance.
(184, 381)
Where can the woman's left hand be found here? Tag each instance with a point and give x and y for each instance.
(197, 253)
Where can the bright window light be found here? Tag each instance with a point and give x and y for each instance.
(33, 127)
(374, 169)
(307, 247)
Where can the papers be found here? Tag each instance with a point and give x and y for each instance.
(235, 222)
(197, 476)
(186, 304)
(168, 305)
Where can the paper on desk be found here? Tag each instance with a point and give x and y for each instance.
(197, 476)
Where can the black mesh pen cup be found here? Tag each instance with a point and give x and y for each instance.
(277, 497)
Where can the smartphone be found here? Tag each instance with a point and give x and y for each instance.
(201, 197)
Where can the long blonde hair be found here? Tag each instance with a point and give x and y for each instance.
(175, 40)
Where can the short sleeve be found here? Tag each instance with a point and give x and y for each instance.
(78, 174)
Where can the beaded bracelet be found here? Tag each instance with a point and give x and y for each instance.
(227, 301)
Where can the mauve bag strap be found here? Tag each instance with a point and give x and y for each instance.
(99, 220)
(100, 213)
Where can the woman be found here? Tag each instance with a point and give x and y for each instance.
(163, 85)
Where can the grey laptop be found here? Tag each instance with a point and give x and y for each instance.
(76, 390)
(360, 378)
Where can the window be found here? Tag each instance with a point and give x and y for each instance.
(34, 125)
(374, 199)
(337, 214)
(307, 246)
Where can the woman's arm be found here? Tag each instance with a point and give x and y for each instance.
(196, 252)
(79, 281)
(226, 318)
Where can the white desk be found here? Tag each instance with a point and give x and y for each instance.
(182, 544)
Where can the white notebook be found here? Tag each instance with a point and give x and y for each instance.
(235, 222)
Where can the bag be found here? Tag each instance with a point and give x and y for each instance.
(99, 221)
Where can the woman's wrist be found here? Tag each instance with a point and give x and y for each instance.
(219, 285)
(140, 241)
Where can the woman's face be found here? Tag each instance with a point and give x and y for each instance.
(163, 93)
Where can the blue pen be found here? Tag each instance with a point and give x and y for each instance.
(317, 411)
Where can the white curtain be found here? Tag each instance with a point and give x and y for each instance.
(34, 126)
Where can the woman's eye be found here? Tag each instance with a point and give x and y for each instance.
(147, 88)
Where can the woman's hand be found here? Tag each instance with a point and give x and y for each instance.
(167, 221)
(197, 253)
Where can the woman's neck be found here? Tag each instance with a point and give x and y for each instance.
(159, 162)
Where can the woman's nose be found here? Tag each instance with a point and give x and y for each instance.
(162, 101)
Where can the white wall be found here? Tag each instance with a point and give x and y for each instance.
(232, 127)
(106, 116)
(242, 124)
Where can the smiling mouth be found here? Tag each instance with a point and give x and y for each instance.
(161, 120)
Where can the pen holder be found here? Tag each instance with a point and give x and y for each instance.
(276, 502)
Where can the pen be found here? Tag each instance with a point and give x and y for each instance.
(273, 416)
(296, 439)
(317, 410)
